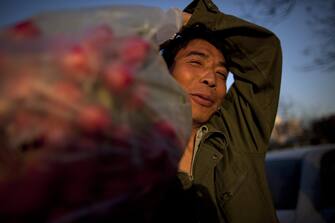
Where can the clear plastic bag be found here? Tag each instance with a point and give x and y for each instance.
(151, 23)
(90, 117)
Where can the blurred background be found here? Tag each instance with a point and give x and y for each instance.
(306, 28)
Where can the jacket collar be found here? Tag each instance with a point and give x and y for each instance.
(214, 125)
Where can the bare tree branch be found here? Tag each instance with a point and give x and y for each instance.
(266, 11)
(320, 19)
(322, 23)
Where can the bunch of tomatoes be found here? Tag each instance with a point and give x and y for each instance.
(77, 134)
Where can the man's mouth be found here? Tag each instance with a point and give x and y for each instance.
(202, 99)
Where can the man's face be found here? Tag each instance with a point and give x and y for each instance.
(200, 69)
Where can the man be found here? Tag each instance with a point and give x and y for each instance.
(222, 168)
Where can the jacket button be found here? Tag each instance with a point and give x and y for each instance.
(226, 196)
(200, 194)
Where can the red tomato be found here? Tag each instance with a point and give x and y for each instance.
(68, 91)
(76, 59)
(134, 50)
(94, 118)
(118, 77)
(99, 36)
(24, 29)
(165, 129)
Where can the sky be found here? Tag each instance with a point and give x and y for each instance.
(307, 94)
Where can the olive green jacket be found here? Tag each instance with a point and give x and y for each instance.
(228, 168)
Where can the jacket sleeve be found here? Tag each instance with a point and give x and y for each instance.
(254, 57)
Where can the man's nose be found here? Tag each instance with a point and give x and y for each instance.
(208, 78)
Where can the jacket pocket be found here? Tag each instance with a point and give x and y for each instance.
(230, 174)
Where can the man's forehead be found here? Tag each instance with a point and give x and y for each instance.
(202, 48)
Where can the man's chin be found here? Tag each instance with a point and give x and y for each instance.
(199, 120)
(201, 114)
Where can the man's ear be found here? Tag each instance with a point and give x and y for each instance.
(171, 68)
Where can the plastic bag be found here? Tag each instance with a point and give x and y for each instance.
(150, 22)
(90, 118)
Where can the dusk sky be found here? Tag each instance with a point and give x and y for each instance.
(310, 93)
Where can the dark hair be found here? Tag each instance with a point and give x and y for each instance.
(170, 48)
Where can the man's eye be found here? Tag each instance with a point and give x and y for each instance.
(195, 62)
(222, 74)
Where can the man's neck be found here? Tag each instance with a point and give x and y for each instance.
(186, 160)
(190, 144)
(195, 127)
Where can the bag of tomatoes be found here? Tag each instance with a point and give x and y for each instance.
(91, 122)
